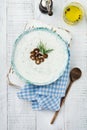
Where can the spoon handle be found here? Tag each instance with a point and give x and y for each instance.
(68, 88)
(62, 102)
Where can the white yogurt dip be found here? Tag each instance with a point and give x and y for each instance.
(48, 71)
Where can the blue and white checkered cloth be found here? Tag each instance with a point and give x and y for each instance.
(46, 97)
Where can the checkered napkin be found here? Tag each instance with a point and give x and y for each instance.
(47, 97)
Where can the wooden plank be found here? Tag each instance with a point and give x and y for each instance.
(76, 106)
(20, 114)
(3, 86)
(73, 115)
(44, 117)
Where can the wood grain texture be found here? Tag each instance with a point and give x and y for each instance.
(3, 87)
(73, 115)
(16, 114)
(20, 114)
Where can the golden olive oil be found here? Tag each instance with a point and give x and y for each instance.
(73, 13)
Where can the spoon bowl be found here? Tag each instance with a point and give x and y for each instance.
(75, 74)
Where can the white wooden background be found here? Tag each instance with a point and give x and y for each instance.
(16, 114)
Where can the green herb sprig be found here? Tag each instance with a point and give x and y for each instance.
(43, 49)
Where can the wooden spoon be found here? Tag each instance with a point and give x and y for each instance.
(75, 74)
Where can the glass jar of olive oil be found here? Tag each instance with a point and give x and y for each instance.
(73, 13)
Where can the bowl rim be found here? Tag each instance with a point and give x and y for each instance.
(14, 48)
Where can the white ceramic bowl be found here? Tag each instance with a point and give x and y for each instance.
(48, 71)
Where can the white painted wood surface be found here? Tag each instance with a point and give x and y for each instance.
(16, 114)
(3, 85)
(73, 115)
(20, 114)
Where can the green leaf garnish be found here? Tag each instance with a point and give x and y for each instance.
(49, 50)
(42, 48)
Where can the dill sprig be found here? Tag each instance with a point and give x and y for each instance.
(43, 49)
